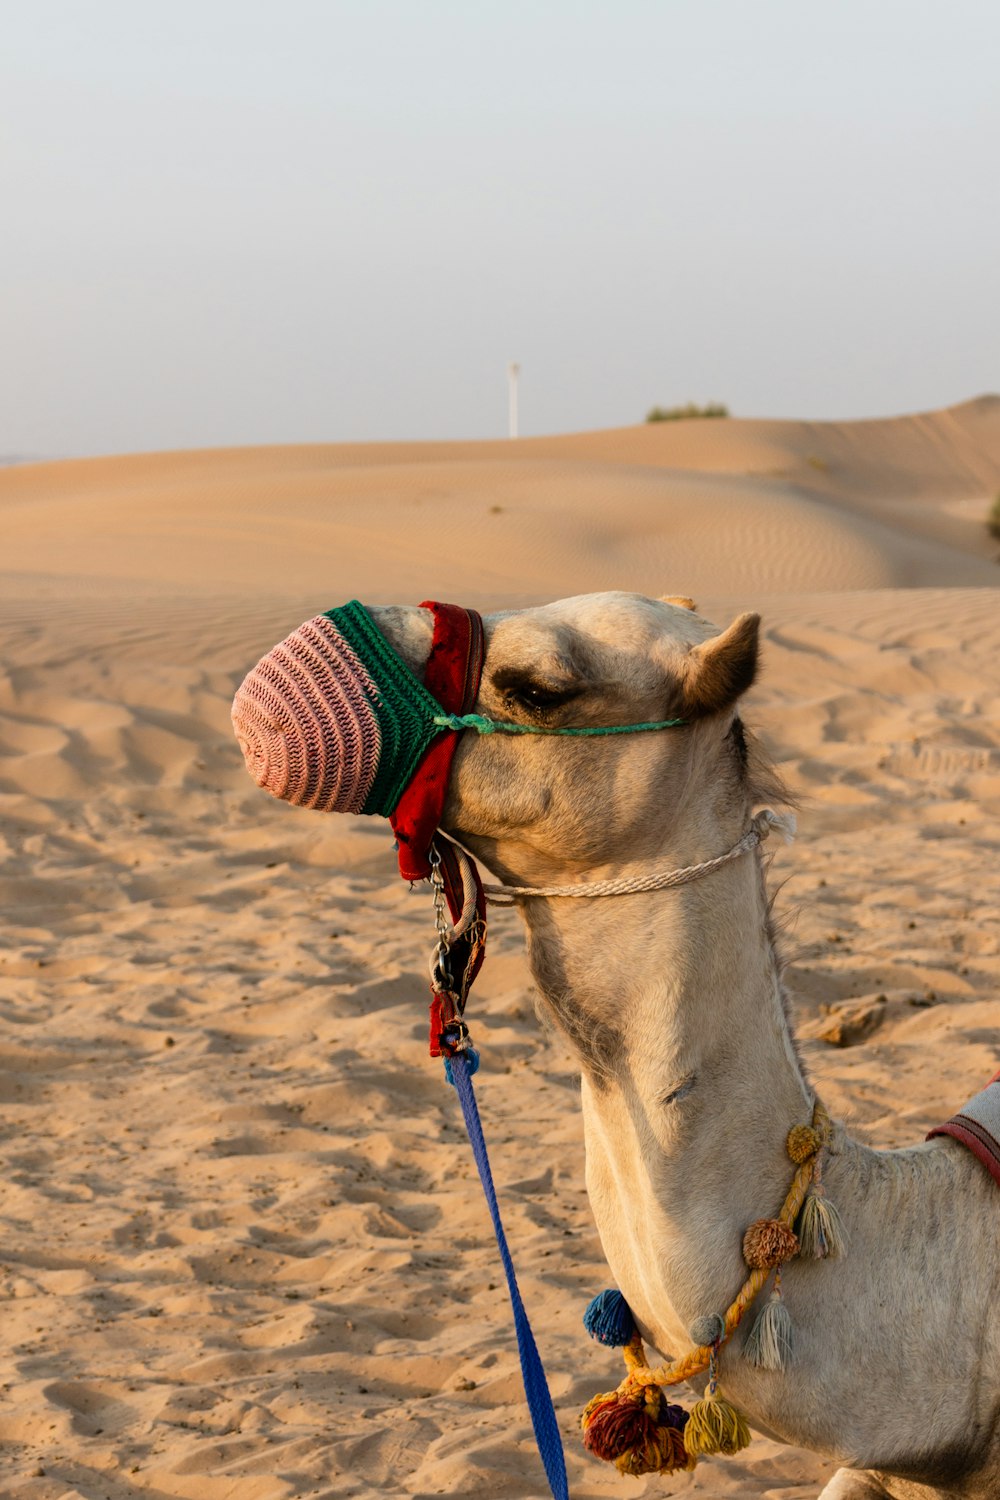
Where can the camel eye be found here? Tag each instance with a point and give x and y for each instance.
(528, 692)
(540, 696)
(537, 695)
(683, 1088)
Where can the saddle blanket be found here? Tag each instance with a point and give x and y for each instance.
(977, 1126)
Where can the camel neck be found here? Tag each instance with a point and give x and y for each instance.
(659, 980)
(673, 1003)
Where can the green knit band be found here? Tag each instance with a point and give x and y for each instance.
(405, 710)
(483, 725)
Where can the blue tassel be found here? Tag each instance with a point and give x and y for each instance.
(608, 1319)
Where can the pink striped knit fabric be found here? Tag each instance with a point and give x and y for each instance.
(305, 721)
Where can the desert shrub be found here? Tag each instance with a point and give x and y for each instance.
(684, 413)
(993, 520)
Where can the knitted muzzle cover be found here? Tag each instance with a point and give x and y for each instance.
(333, 719)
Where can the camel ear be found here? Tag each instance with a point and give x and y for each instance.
(681, 600)
(719, 670)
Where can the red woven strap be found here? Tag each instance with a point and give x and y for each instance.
(977, 1127)
(453, 672)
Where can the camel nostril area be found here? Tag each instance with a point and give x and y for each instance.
(262, 746)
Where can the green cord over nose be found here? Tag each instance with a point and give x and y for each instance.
(483, 725)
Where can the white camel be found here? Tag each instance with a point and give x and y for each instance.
(673, 1002)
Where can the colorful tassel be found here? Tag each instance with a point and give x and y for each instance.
(608, 1319)
(769, 1342)
(640, 1434)
(802, 1143)
(822, 1234)
(716, 1426)
(769, 1243)
(707, 1330)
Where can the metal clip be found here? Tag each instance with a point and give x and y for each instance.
(441, 979)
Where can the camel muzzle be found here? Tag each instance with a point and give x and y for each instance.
(332, 718)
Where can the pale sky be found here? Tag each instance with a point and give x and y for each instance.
(255, 221)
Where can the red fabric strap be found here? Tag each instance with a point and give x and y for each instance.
(453, 672)
(979, 1142)
(976, 1127)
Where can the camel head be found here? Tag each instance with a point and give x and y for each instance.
(530, 805)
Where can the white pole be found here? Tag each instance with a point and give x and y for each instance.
(513, 371)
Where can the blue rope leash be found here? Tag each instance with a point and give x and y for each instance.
(459, 1070)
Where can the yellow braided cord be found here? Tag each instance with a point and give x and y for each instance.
(696, 1360)
(635, 1356)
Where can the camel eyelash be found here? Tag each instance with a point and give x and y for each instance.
(535, 695)
(530, 693)
(680, 1091)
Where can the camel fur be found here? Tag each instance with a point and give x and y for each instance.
(673, 1002)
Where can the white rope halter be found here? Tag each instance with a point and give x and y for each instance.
(761, 826)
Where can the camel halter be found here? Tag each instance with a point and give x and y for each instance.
(761, 826)
(482, 724)
(333, 719)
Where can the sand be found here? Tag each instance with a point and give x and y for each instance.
(244, 1252)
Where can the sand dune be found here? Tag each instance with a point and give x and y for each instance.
(244, 1250)
(712, 506)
